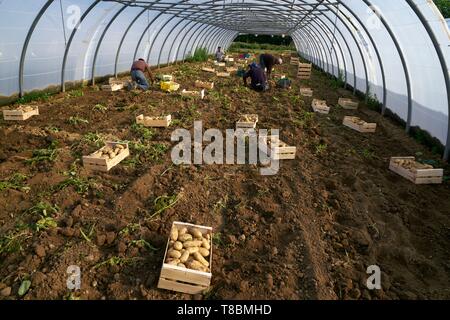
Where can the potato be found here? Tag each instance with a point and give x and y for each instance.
(199, 258)
(195, 265)
(193, 243)
(203, 251)
(181, 265)
(192, 249)
(184, 257)
(174, 233)
(196, 233)
(205, 244)
(178, 245)
(182, 231)
(174, 253)
(185, 237)
(173, 262)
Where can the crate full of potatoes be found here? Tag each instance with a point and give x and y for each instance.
(187, 260)
(22, 113)
(107, 157)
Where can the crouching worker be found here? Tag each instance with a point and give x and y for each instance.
(268, 61)
(137, 75)
(220, 55)
(258, 78)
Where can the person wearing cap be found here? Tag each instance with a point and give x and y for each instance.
(137, 75)
(268, 61)
(258, 78)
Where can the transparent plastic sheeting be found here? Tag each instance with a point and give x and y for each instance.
(396, 51)
(45, 52)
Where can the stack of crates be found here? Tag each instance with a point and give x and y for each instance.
(304, 71)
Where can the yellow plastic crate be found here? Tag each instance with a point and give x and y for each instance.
(169, 86)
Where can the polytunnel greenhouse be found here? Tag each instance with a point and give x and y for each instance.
(119, 178)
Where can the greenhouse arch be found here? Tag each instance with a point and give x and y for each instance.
(394, 51)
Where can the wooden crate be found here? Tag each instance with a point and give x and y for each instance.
(304, 71)
(320, 106)
(193, 94)
(244, 123)
(20, 114)
(167, 77)
(295, 61)
(227, 59)
(185, 280)
(231, 69)
(222, 74)
(306, 92)
(210, 70)
(219, 64)
(348, 104)
(359, 125)
(112, 87)
(204, 85)
(158, 122)
(277, 149)
(415, 175)
(95, 163)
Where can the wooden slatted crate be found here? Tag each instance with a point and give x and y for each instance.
(231, 69)
(306, 92)
(295, 61)
(167, 77)
(348, 104)
(112, 87)
(222, 74)
(247, 121)
(359, 125)
(219, 64)
(193, 94)
(210, 70)
(186, 280)
(304, 71)
(204, 85)
(416, 172)
(320, 106)
(114, 84)
(277, 149)
(22, 113)
(99, 162)
(158, 122)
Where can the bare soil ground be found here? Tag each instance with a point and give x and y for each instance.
(309, 232)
